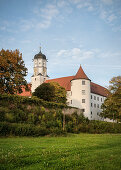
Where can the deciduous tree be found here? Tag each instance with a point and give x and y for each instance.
(12, 71)
(51, 92)
(112, 105)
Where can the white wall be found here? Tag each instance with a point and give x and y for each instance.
(76, 95)
(96, 102)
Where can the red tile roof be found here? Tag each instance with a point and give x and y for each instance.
(97, 89)
(66, 83)
(81, 74)
(25, 92)
(63, 81)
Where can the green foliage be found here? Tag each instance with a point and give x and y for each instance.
(45, 91)
(112, 104)
(37, 117)
(17, 101)
(12, 72)
(52, 92)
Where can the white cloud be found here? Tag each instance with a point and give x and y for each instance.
(75, 54)
(111, 18)
(108, 2)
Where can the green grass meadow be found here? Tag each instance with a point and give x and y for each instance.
(81, 151)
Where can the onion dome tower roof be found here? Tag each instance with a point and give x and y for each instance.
(81, 74)
(40, 55)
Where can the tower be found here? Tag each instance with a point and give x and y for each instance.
(40, 70)
(80, 92)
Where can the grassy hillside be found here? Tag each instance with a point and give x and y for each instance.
(83, 151)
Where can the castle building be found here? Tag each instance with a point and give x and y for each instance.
(81, 92)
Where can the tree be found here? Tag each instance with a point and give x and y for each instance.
(51, 92)
(112, 105)
(60, 93)
(12, 72)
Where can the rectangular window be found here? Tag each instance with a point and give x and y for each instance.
(83, 110)
(94, 97)
(83, 92)
(101, 99)
(94, 105)
(83, 100)
(71, 93)
(97, 105)
(71, 101)
(91, 104)
(91, 113)
(83, 82)
(91, 96)
(98, 98)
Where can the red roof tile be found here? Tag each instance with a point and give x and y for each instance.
(66, 83)
(97, 89)
(81, 74)
(25, 92)
(63, 81)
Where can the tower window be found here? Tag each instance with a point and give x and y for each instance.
(83, 91)
(83, 100)
(83, 82)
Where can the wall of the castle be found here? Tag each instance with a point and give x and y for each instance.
(93, 102)
(96, 102)
(79, 96)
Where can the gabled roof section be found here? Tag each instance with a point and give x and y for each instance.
(63, 81)
(80, 74)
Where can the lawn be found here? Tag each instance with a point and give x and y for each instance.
(83, 151)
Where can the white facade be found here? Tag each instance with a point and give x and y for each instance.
(96, 102)
(40, 71)
(80, 95)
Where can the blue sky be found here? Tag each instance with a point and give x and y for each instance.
(70, 32)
